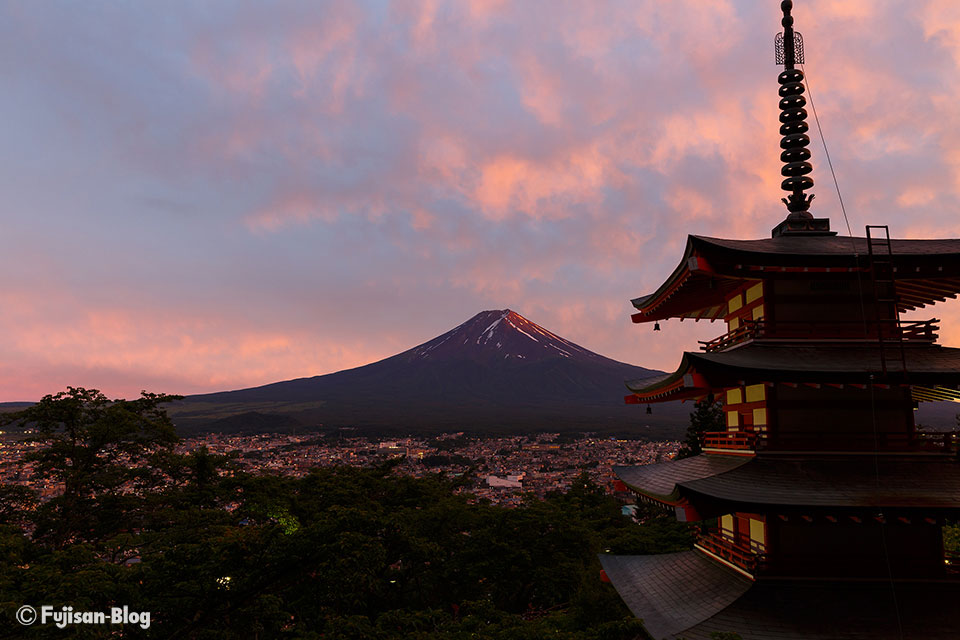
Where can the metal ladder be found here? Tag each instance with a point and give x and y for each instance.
(889, 331)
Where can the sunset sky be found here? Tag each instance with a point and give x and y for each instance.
(198, 196)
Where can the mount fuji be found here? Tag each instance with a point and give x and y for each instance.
(496, 372)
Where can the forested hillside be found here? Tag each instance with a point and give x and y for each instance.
(339, 553)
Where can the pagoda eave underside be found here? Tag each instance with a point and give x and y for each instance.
(680, 385)
(817, 365)
(926, 271)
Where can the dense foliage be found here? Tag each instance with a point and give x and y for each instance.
(338, 554)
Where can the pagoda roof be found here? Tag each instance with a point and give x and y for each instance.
(662, 480)
(688, 595)
(679, 385)
(841, 482)
(927, 271)
(756, 362)
(802, 247)
(829, 363)
(673, 591)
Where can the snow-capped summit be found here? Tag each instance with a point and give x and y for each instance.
(500, 334)
(495, 371)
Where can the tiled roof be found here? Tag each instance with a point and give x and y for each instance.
(687, 595)
(831, 482)
(669, 386)
(836, 482)
(830, 246)
(801, 363)
(650, 381)
(839, 611)
(927, 270)
(673, 591)
(930, 365)
(660, 480)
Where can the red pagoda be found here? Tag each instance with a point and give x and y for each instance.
(821, 506)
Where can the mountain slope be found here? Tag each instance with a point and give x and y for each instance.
(498, 371)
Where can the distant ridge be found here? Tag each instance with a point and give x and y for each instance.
(498, 371)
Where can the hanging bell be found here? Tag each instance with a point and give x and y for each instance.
(649, 409)
(656, 326)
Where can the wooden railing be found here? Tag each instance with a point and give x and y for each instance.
(736, 440)
(911, 331)
(721, 542)
(922, 441)
(746, 331)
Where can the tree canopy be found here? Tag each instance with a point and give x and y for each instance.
(339, 553)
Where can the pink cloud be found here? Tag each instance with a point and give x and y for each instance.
(510, 184)
(58, 342)
(433, 158)
(484, 10)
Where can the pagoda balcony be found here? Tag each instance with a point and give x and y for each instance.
(749, 555)
(914, 331)
(733, 441)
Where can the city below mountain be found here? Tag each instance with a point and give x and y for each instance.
(497, 372)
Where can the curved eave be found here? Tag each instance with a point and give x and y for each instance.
(920, 485)
(695, 296)
(674, 591)
(662, 481)
(673, 281)
(927, 271)
(687, 595)
(929, 366)
(691, 291)
(815, 364)
(681, 384)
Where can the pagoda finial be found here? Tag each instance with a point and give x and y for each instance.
(793, 118)
(793, 127)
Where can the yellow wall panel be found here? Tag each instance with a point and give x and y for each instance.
(726, 523)
(733, 418)
(759, 416)
(734, 303)
(758, 312)
(734, 396)
(758, 531)
(756, 392)
(754, 292)
(733, 324)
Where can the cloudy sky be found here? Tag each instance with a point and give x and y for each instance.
(197, 196)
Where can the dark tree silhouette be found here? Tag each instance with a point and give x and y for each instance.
(707, 416)
(100, 451)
